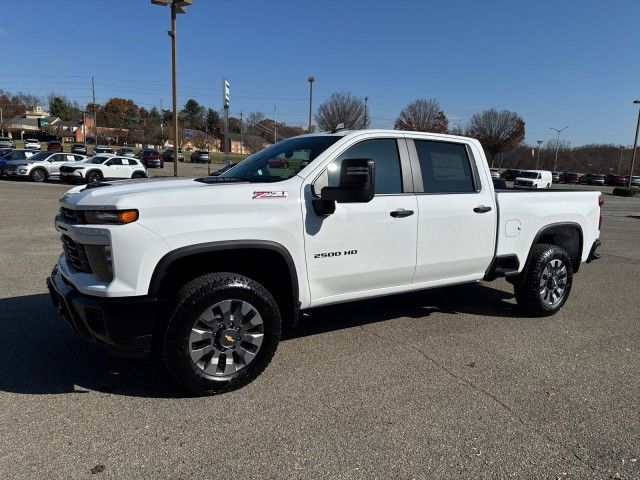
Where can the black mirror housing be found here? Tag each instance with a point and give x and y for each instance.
(357, 182)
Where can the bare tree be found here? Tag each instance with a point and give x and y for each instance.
(497, 131)
(422, 116)
(342, 107)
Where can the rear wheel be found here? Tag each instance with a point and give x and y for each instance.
(138, 175)
(222, 334)
(94, 177)
(38, 175)
(546, 284)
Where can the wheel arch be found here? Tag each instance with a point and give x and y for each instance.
(567, 235)
(245, 257)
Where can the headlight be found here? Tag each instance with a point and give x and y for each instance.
(117, 217)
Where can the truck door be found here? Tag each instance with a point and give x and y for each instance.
(456, 212)
(363, 246)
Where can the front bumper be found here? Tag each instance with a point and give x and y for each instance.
(123, 325)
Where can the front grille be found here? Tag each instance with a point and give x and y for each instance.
(68, 169)
(75, 254)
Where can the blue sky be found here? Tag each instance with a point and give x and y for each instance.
(556, 63)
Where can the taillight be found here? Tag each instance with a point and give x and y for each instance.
(600, 203)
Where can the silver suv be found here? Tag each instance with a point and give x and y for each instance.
(6, 142)
(41, 166)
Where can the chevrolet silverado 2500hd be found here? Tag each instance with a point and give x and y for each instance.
(204, 272)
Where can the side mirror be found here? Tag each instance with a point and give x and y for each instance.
(356, 185)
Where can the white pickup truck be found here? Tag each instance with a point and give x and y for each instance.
(204, 273)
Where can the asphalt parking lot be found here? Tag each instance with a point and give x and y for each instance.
(447, 383)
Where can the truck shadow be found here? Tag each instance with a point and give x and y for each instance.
(40, 354)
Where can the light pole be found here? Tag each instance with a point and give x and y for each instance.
(538, 158)
(311, 80)
(558, 130)
(635, 146)
(177, 6)
(620, 159)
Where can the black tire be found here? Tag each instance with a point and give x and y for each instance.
(528, 289)
(195, 298)
(138, 175)
(38, 175)
(94, 177)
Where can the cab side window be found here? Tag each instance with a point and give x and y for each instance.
(445, 167)
(383, 151)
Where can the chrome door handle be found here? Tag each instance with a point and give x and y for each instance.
(401, 213)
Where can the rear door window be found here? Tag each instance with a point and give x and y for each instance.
(445, 167)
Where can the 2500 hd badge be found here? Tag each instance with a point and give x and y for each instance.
(335, 254)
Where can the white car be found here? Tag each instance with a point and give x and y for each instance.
(209, 270)
(102, 167)
(533, 179)
(41, 166)
(32, 144)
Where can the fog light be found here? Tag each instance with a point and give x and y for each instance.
(23, 171)
(100, 259)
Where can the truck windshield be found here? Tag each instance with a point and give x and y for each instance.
(282, 160)
(528, 175)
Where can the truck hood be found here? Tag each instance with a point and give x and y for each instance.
(166, 193)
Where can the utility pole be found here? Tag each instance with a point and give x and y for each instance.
(366, 112)
(95, 118)
(275, 126)
(241, 132)
(555, 162)
(311, 80)
(635, 146)
(161, 122)
(226, 100)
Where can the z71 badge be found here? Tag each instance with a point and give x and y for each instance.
(260, 195)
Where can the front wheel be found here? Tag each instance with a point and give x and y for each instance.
(546, 284)
(222, 334)
(38, 175)
(138, 175)
(94, 177)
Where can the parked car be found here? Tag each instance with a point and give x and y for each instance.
(571, 177)
(99, 149)
(126, 152)
(616, 180)
(4, 151)
(54, 147)
(200, 156)
(79, 148)
(278, 162)
(499, 184)
(533, 179)
(32, 144)
(151, 158)
(41, 166)
(555, 176)
(592, 179)
(495, 173)
(15, 154)
(635, 181)
(102, 167)
(510, 174)
(167, 155)
(6, 142)
(241, 267)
